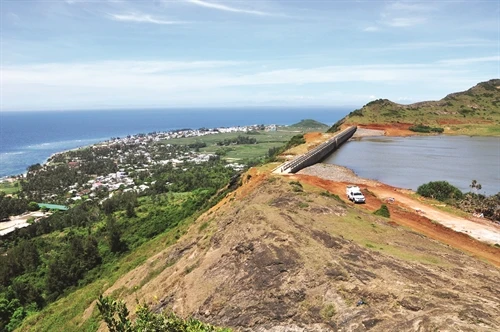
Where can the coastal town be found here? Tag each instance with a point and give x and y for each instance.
(121, 164)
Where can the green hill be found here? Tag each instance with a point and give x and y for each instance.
(472, 112)
(309, 123)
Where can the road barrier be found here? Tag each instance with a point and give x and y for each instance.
(318, 153)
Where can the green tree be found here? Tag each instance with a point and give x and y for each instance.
(113, 235)
(27, 293)
(130, 210)
(440, 190)
(33, 206)
(475, 186)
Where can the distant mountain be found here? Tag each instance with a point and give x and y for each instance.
(310, 123)
(475, 112)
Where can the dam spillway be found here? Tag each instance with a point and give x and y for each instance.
(318, 153)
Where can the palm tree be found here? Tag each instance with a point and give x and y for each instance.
(475, 186)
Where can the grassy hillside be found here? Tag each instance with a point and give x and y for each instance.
(282, 254)
(472, 112)
(309, 123)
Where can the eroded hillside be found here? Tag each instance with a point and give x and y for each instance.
(276, 256)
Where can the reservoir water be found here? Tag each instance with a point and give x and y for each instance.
(408, 162)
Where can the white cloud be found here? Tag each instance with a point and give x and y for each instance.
(411, 6)
(371, 29)
(403, 22)
(402, 14)
(164, 78)
(467, 61)
(436, 45)
(226, 8)
(141, 18)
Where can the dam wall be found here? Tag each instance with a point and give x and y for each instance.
(318, 153)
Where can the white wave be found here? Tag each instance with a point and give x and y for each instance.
(65, 144)
(11, 153)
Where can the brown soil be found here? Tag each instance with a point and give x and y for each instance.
(404, 215)
(313, 139)
(394, 129)
(310, 137)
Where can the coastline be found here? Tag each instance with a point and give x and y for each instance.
(150, 137)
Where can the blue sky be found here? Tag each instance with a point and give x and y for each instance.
(72, 54)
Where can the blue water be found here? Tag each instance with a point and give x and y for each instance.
(27, 138)
(408, 162)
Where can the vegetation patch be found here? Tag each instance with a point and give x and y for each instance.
(303, 205)
(203, 226)
(116, 316)
(440, 190)
(296, 186)
(9, 187)
(331, 195)
(383, 211)
(420, 128)
(336, 126)
(327, 312)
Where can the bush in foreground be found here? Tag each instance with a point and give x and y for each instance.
(116, 316)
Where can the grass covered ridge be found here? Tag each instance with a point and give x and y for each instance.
(309, 123)
(472, 112)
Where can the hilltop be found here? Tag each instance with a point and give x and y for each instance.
(310, 124)
(472, 112)
(283, 254)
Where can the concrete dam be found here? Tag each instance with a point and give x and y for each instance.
(318, 153)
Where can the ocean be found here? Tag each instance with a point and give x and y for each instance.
(27, 138)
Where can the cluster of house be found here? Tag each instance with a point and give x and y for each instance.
(110, 182)
(159, 136)
(136, 154)
(122, 179)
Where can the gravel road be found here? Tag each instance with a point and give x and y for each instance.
(335, 173)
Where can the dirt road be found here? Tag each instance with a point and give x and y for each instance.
(472, 235)
(484, 231)
(19, 221)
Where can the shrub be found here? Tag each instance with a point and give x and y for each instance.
(296, 186)
(440, 190)
(272, 153)
(32, 206)
(336, 126)
(383, 212)
(357, 112)
(294, 141)
(303, 205)
(420, 128)
(328, 312)
(334, 196)
(466, 112)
